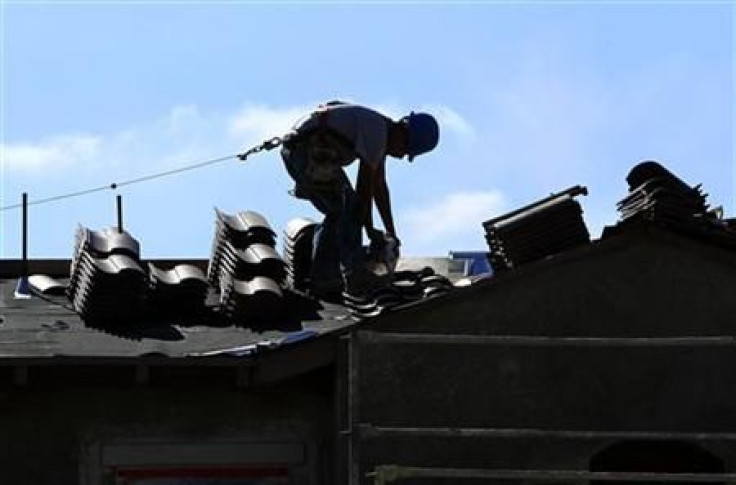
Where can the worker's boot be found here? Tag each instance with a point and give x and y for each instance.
(363, 282)
(326, 289)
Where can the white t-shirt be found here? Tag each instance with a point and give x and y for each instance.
(365, 129)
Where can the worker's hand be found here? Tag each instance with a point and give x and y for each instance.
(391, 251)
(393, 244)
(391, 238)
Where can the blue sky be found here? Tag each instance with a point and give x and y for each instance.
(532, 98)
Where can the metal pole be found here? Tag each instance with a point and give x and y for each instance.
(25, 235)
(120, 212)
(22, 290)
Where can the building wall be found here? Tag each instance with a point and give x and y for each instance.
(85, 433)
(616, 344)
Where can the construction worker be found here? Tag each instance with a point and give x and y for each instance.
(315, 152)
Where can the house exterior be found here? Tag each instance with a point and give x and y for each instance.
(607, 361)
(616, 357)
(80, 405)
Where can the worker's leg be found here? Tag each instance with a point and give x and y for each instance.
(337, 242)
(350, 228)
(325, 274)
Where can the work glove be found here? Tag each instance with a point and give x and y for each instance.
(392, 245)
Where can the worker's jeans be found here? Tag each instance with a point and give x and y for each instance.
(337, 241)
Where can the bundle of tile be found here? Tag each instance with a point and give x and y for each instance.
(107, 241)
(655, 194)
(298, 238)
(244, 228)
(259, 299)
(406, 287)
(107, 282)
(541, 229)
(245, 267)
(234, 234)
(100, 244)
(245, 264)
(180, 291)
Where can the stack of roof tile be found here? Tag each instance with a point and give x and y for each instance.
(243, 247)
(107, 281)
(180, 291)
(298, 238)
(406, 287)
(541, 229)
(245, 268)
(656, 194)
(247, 263)
(259, 299)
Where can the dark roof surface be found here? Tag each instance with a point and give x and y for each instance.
(46, 326)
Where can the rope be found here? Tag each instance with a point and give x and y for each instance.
(266, 145)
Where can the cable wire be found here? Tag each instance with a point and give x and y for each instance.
(116, 185)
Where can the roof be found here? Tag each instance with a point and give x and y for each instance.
(49, 329)
(46, 327)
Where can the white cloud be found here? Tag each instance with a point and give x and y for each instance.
(184, 135)
(451, 220)
(53, 153)
(255, 123)
(452, 121)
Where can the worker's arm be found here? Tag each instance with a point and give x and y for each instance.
(364, 189)
(371, 186)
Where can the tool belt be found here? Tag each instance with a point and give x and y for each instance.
(326, 152)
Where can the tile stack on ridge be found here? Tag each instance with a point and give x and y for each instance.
(107, 281)
(298, 238)
(245, 268)
(541, 229)
(656, 194)
(406, 287)
(180, 291)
